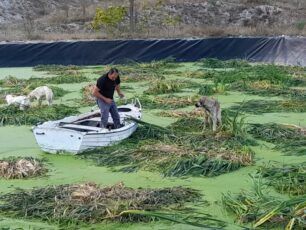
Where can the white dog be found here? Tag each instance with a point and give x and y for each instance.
(22, 101)
(40, 93)
(212, 111)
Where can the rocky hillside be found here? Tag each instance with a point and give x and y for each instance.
(66, 19)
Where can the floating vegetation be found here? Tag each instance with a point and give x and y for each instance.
(168, 101)
(289, 179)
(162, 87)
(56, 68)
(271, 73)
(216, 63)
(287, 138)
(2, 100)
(173, 152)
(265, 88)
(12, 115)
(206, 90)
(200, 74)
(154, 65)
(87, 97)
(259, 208)
(183, 114)
(91, 203)
(136, 77)
(270, 106)
(33, 82)
(264, 80)
(61, 79)
(11, 81)
(58, 91)
(188, 125)
(208, 166)
(19, 168)
(139, 71)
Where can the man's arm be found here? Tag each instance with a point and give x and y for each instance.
(119, 91)
(97, 94)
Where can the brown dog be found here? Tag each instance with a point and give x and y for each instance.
(212, 111)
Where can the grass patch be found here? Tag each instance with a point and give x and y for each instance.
(87, 98)
(188, 125)
(271, 106)
(175, 153)
(290, 140)
(140, 71)
(32, 83)
(137, 77)
(265, 88)
(57, 92)
(91, 203)
(207, 90)
(264, 80)
(216, 63)
(289, 179)
(12, 115)
(270, 73)
(196, 113)
(164, 87)
(20, 168)
(55, 69)
(2, 99)
(198, 74)
(257, 207)
(167, 102)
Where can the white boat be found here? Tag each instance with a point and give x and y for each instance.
(75, 134)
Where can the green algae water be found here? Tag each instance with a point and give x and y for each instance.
(67, 169)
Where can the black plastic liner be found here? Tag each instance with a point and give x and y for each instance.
(278, 50)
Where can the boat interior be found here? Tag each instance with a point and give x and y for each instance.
(91, 122)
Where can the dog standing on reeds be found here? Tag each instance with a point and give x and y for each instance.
(212, 111)
(42, 92)
(22, 101)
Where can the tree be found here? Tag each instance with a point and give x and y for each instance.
(172, 21)
(109, 18)
(65, 7)
(28, 26)
(132, 16)
(84, 5)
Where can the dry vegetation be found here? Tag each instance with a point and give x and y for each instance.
(19, 168)
(91, 203)
(60, 20)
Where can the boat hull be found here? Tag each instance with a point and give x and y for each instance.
(76, 134)
(59, 140)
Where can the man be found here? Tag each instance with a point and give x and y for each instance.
(104, 93)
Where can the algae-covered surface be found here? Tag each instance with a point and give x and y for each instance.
(67, 169)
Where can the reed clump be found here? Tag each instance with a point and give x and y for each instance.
(12, 115)
(91, 203)
(22, 167)
(261, 209)
(181, 149)
(168, 101)
(290, 139)
(270, 106)
(290, 179)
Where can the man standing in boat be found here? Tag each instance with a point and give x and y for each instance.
(104, 93)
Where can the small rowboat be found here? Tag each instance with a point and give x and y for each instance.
(76, 134)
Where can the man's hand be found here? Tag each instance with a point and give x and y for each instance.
(108, 100)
